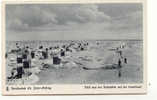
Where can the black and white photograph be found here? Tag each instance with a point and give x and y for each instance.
(74, 43)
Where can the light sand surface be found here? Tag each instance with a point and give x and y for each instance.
(96, 56)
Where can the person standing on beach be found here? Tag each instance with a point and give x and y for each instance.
(125, 60)
(46, 53)
(32, 54)
(17, 47)
(50, 52)
(40, 52)
(62, 53)
(119, 68)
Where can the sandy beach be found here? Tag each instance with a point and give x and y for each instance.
(96, 57)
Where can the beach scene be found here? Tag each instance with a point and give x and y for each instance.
(94, 62)
(95, 43)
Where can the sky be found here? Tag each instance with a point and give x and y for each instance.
(73, 21)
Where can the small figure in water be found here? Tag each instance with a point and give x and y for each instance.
(125, 60)
(119, 63)
(119, 67)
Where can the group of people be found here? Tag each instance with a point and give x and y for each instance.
(121, 59)
(25, 55)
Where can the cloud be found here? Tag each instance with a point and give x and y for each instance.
(17, 24)
(34, 16)
(130, 23)
(91, 14)
(115, 10)
(23, 17)
(74, 20)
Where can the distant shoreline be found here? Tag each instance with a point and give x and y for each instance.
(74, 40)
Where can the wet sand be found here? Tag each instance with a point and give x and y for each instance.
(131, 72)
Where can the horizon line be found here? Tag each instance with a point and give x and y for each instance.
(83, 40)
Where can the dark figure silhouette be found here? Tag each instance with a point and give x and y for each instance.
(119, 68)
(32, 54)
(119, 63)
(125, 60)
(62, 52)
